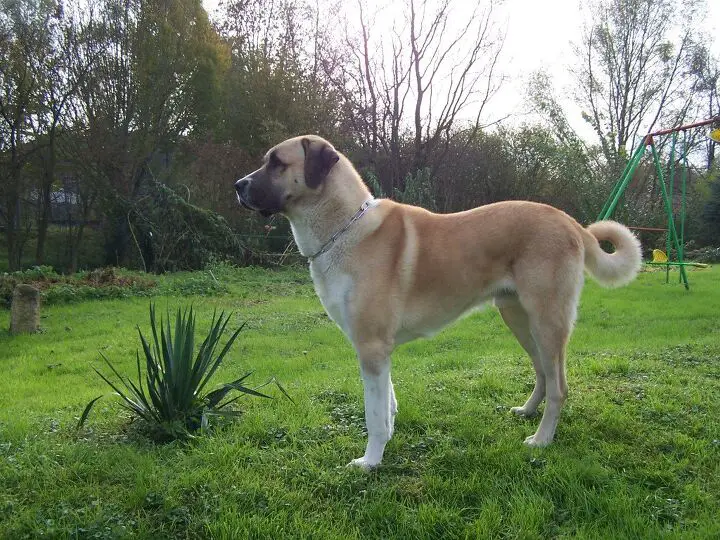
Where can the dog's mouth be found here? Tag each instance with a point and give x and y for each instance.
(264, 212)
(243, 203)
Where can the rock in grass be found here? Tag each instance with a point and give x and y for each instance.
(25, 310)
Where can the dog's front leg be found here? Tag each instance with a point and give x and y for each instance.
(393, 408)
(379, 408)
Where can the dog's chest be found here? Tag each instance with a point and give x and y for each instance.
(334, 289)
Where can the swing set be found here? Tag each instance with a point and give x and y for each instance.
(674, 239)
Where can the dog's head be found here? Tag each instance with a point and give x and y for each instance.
(293, 171)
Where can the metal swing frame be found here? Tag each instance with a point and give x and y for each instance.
(673, 239)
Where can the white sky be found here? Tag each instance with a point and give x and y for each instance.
(539, 35)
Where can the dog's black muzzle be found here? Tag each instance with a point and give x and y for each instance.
(241, 191)
(254, 199)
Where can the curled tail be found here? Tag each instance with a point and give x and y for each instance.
(612, 269)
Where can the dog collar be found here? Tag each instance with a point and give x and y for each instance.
(327, 245)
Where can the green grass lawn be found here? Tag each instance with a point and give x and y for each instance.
(636, 455)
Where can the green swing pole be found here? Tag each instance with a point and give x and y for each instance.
(684, 175)
(622, 184)
(616, 187)
(668, 209)
(671, 181)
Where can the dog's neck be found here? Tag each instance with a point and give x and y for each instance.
(314, 225)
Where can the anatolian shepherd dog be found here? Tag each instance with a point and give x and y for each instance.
(388, 273)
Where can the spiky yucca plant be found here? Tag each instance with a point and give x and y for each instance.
(172, 402)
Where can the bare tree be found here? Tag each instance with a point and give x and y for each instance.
(433, 73)
(629, 76)
(152, 81)
(705, 69)
(23, 45)
(470, 78)
(277, 87)
(62, 71)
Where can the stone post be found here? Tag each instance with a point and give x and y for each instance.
(25, 310)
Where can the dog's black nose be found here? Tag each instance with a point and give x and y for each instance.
(242, 185)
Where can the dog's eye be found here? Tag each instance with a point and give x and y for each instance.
(275, 163)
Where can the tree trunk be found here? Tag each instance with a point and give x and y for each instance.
(116, 246)
(12, 248)
(49, 163)
(11, 233)
(75, 241)
(44, 221)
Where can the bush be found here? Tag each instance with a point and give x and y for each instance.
(704, 255)
(418, 190)
(56, 289)
(37, 276)
(172, 402)
(176, 235)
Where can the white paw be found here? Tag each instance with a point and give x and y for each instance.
(537, 442)
(521, 411)
(364, 463)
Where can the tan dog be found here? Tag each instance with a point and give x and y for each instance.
(388, 273)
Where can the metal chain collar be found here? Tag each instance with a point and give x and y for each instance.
(360, 213)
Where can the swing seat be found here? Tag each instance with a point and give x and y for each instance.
(659, 256)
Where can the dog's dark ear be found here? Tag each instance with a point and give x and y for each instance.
(319, 159)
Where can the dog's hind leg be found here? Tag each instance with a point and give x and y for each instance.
(516, 319)
(551, 326)
(551, 307)
(380, 403)
(553, 363)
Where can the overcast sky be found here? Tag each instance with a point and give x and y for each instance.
(539, 35)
